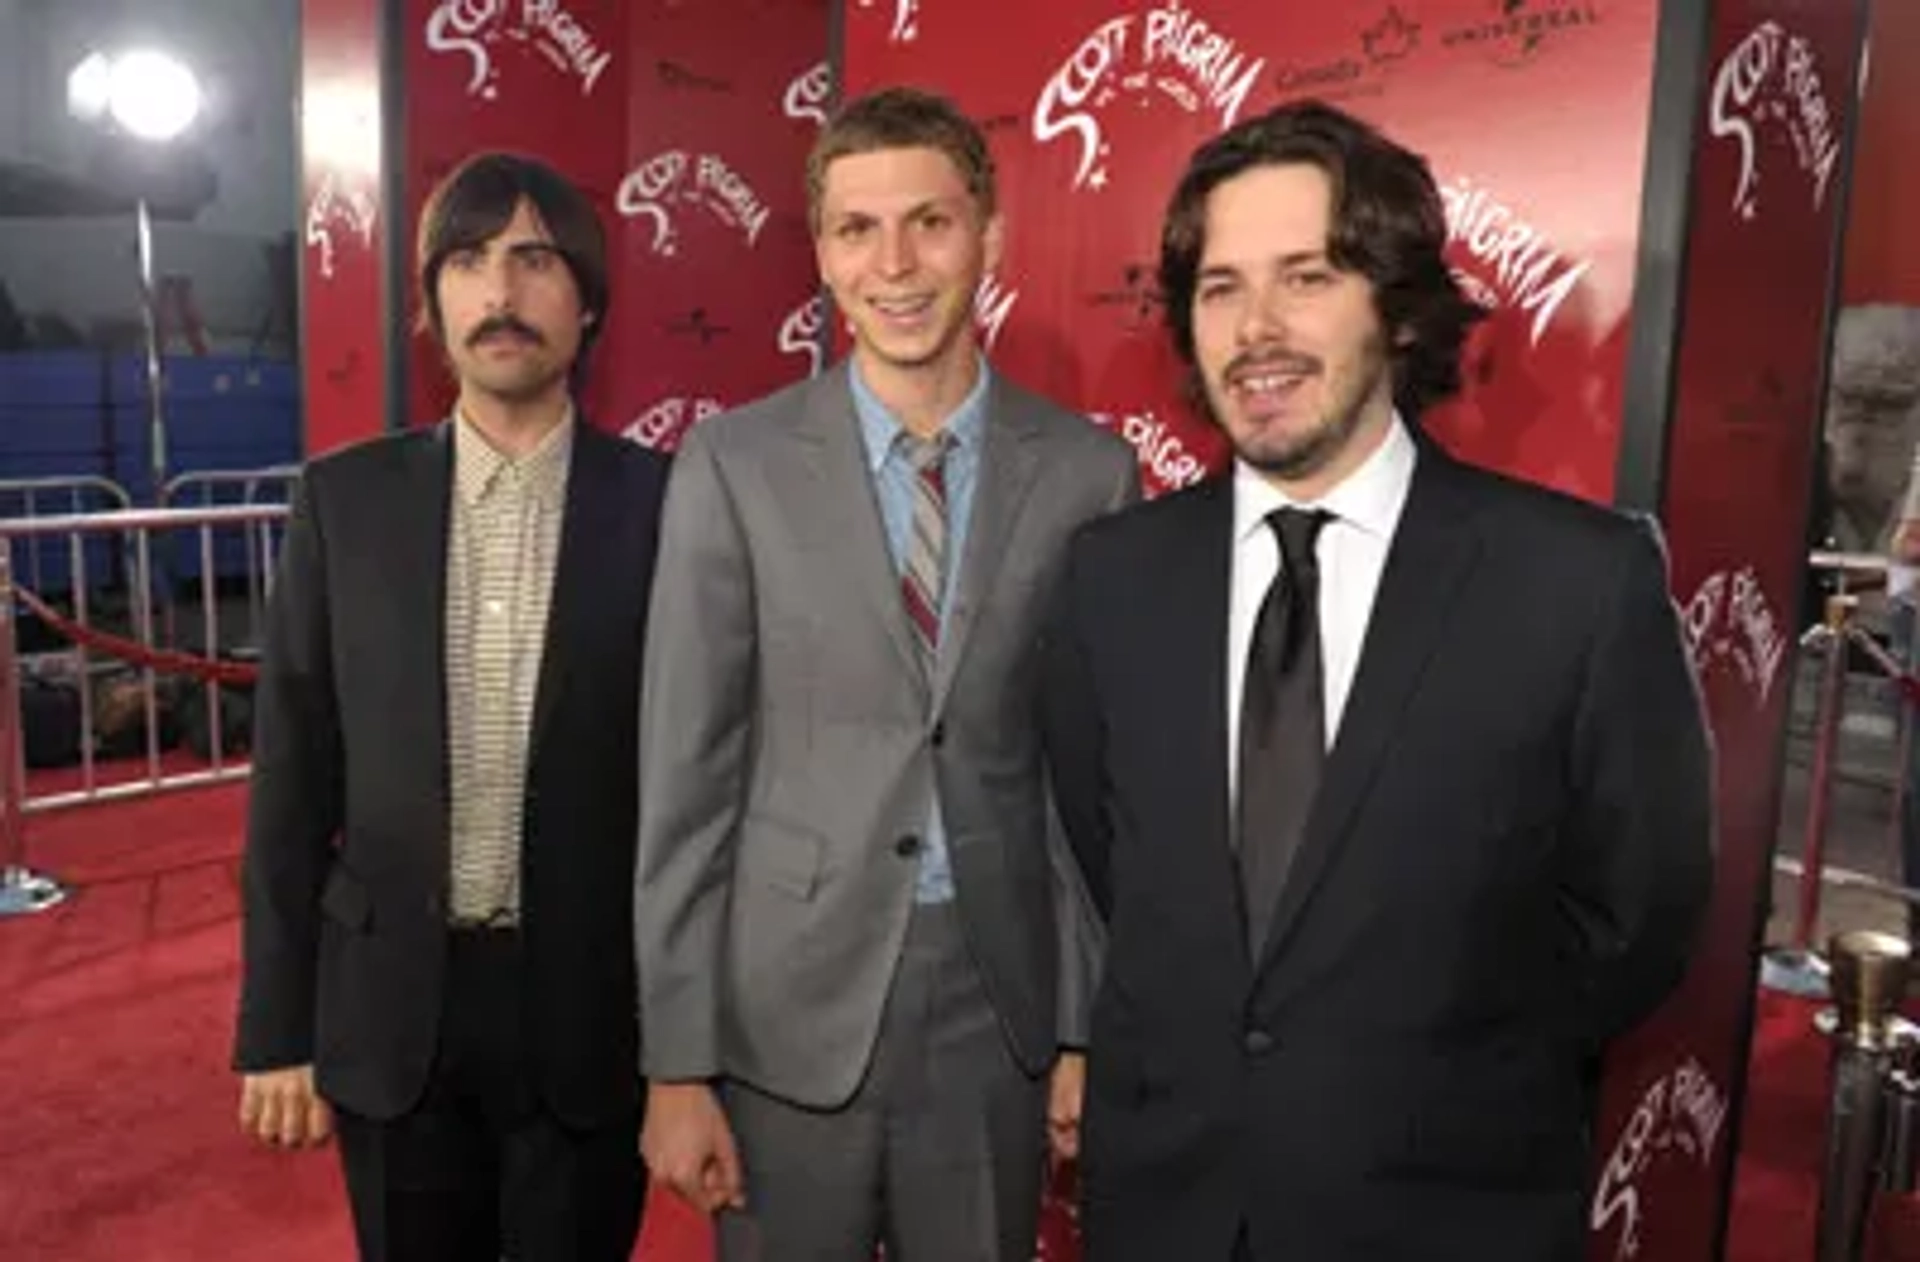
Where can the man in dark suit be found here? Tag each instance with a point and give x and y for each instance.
(1390, 774)
(438, 879)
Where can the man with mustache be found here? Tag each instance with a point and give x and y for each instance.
(862, 953)
(438, 886)
(1389, 774)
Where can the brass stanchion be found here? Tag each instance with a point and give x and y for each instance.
(1872, 1109)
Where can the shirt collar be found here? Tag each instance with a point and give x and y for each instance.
(881, 428)
(477, 463)
(1370, 498)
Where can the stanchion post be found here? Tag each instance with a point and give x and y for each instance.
(1868, 1035)
(1798, 969)
(1826, 739)
(22, 891)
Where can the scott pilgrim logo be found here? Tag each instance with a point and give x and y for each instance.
(1771, 75)
(1523, 270)
(807, 96)
(478, 28)
(675, 178)
(662, 426)
(334, 208)
(1166, 52)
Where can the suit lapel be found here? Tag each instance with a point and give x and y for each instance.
(1194, 582)
(847, 511)
(420, 542)
(1009, 461)
(590, 515)
(1433, 551)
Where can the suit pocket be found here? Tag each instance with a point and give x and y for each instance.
(345, 900)
(781, 856)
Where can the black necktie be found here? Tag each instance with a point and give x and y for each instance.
(1282, 722)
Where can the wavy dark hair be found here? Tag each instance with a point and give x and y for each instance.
(477, 200)
(1388, 225)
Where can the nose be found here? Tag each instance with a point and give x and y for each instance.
(897, 255)
(1262, 317)
(497, 286)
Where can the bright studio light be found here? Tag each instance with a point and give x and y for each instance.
(149, 94)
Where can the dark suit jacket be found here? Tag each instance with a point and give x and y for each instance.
(1504, 867)
(346, 873)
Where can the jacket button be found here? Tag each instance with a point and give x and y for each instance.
(907, 847)
(1258, 1042)
(939, 735)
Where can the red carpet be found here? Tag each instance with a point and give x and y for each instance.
(117, 1138)
(118, 1143)
(1776, 1188)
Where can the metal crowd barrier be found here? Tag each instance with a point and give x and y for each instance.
(253, 555)
(98, 641)
(28, 498)
(269, 485)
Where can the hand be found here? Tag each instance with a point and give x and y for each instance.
(1906, 542)
(688, 1145)
(1064, 1097)
(281, 1108)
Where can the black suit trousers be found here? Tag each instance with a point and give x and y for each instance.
(480, 1169)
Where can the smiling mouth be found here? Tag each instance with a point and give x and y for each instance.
(902, 308)
(1267, 384)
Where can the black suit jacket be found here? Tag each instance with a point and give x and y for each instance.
(1504, 867)
(346, 874)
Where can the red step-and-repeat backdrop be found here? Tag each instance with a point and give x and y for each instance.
(1536, 116)
(1661, 290)
(688, 124)
(1095, 109)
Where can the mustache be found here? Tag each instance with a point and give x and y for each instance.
(1290, 362)
(503, 324)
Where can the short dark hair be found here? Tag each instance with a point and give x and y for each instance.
(1389, 225)
(478, 198)
(903, 118)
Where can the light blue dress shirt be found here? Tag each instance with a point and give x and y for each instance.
(893, 487)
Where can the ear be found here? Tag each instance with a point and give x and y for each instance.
(995, 241)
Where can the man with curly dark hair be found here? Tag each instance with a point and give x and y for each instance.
(1389, 774)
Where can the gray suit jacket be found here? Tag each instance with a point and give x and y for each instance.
(790, 744)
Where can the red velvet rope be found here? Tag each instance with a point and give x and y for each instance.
(166, 661)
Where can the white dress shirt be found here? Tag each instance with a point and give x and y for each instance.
(1352, 551)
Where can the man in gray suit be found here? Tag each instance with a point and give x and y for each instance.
(862, 945)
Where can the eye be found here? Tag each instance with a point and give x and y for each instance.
(852, 230)
(1306, 280)
(464, 260)
(1214, 290)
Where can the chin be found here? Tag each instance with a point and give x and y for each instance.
(910, 352)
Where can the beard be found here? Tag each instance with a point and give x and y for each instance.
(1292, 456)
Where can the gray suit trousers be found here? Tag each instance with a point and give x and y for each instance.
(939, 1154)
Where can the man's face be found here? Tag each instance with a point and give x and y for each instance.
(903, 245)
(1290, 349)
(511, 312)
